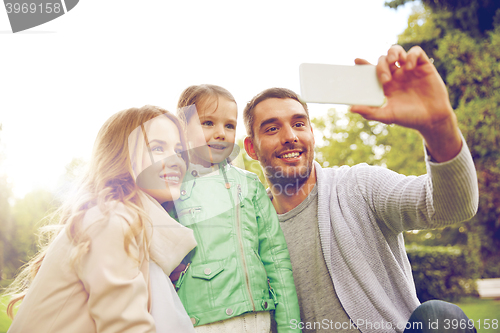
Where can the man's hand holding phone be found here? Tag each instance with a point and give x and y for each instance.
(415, 97)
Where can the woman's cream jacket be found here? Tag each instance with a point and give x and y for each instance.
(110, 291)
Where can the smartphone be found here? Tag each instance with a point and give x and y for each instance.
(337, 84)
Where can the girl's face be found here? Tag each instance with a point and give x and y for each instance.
(162, 168)
(212, 134)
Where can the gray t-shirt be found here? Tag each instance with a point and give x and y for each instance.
(320, 308)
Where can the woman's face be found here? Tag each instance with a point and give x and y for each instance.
(162, 165)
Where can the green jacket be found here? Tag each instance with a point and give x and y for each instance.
(241, 263)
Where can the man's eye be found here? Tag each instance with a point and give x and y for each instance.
(207, 123)
(272, 129)
(299, 125)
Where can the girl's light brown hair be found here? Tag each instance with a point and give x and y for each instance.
(109, 177)
(200, 97)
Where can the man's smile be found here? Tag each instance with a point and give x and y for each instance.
(290, 155)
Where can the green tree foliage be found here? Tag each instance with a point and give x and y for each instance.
(5, 223)
(463, 37)
(348, 139)
(445, 273)
(5, 215)
(476, 17)
(27, 214)
(20, 222)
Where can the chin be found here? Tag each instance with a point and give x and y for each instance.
(219, 159)
(163, 195)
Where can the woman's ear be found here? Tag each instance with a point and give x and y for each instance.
(250, 148)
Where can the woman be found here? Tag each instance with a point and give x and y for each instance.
(114, 241)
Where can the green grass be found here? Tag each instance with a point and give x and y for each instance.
(4, 320)
(481, 310)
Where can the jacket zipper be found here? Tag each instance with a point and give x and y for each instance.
(238, 224)
(191, 211)
(240, 204)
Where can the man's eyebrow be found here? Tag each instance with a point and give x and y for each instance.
(275, 119)
(299, 116)
(268, 121)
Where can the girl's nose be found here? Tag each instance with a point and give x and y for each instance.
(220, 133)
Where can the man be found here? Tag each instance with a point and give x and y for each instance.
(344, 226)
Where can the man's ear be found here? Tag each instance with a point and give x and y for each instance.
(249, 148)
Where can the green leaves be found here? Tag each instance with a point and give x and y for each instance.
(445, 273)
(348, 139)
(463, 37)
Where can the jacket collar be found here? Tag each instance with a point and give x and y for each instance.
(170, 241)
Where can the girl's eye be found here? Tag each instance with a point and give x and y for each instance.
(207, 123)
(230, 126)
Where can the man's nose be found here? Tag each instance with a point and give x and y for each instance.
(288, 135)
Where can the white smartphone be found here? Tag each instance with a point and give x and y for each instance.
(337, 84)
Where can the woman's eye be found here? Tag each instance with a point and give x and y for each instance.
(157, 149)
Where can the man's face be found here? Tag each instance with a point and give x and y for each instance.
(283, 141)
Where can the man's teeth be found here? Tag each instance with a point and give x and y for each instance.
(290, 155)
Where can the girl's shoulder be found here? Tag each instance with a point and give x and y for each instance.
(244, 173)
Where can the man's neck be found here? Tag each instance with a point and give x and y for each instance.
(285, 201)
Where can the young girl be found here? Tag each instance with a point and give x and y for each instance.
(114, 240)
(241, 269)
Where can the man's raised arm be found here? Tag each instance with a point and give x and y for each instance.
(416, 98)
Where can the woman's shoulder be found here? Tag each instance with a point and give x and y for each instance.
(112, 214)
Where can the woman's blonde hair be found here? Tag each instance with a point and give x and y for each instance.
(109, 177)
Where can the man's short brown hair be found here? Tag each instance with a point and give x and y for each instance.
(283, 93)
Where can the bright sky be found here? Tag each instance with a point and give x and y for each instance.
(60, 81)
